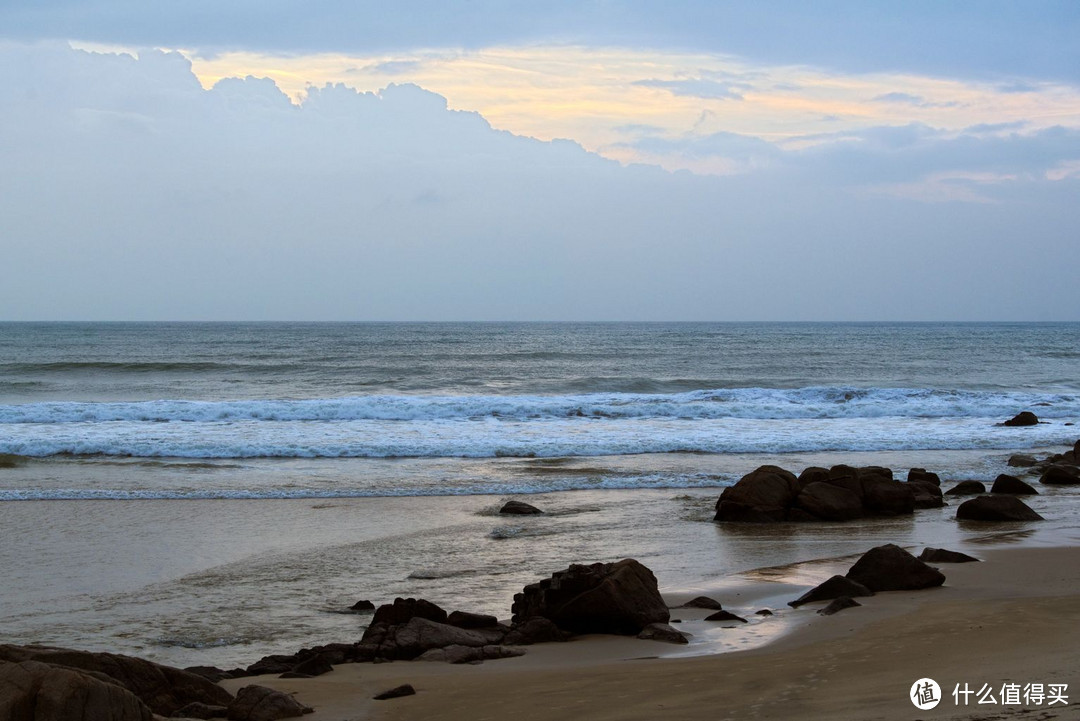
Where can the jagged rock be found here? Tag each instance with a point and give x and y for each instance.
(1061, 475)
(517, 508)
(162, 688)
(662, 632)
(201, 711)
(941, 555)
(1005, 483)
(760, 496)
(1022, 460)
(35, 691)
(996, 508)
(833, 588)
(966, 488)
(535, 630)
(921, 474)
(619, 598)
(705, 602)
(362, 606)
(891, 568)
(404, 609)
(839, 604)
(725, 616)
(463, 619)
(396, 692)
(829, 503)
(1024, 418)
(469, 654)
(259, 703)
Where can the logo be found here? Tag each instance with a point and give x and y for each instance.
(925, 694)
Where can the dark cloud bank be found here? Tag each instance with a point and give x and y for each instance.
(129, 192)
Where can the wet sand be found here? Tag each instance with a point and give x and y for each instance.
(1010, 619)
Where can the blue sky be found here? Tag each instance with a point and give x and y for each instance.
(483, 160)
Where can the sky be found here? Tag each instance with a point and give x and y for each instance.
(603, 160)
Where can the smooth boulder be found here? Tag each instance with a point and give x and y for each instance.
(662, 632)
(996, 508)
(761, 496)
(966, 488)
(891, 568)
(35, 691)
(829, 503)
(1024, 418)
(1061, 474)
(518, 508)
(941, 555)
(1005, 483)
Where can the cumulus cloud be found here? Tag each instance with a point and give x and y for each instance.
(131, 192)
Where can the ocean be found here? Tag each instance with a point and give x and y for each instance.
(211, 492)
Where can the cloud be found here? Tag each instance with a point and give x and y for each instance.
(915, 100)
(131, 192)
(696, 88)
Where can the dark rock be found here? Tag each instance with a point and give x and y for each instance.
(34, 691)
(404, 609)
(317, 665)
(409, 640)
(966, 488)
(725, 616)
(201, 710)
(274, 663)
(829, 502)
(1022, 460)
(1024, 418)
(812, 474)
(847, 478)
(760, 496)
(927, 494)
(941, 555)
(463, 619)
(886, 497)
(469, 654)
(210, 673)
(833, 588)
(535, 630)
(163, 688)
(662, 632)
(764, 612)
(880, 472)
(396, 692)
(996, 508)
(619, 598)
(517, 508)
(891, 568)
(921, 474)
(1005, 483)
(362, 606)
(1060, 475)
(839, 604)
(259, 703)
(295, 674)
(705, 602)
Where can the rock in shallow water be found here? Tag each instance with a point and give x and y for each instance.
(891, 568)
(996, 508)
(518, 508)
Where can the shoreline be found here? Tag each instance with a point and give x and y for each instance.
(976, 629)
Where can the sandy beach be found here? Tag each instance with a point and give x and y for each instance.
(1009, 619)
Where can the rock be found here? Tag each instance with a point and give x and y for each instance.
(886, 497)
(838, 604)
(162, 688)
(725, 616)
(317, 665)
(1022, 460)
(1024, 418)
(535, 630)
(662, 632)
(517, 508)
(813, 474)
(996, 508)
(760, 496)
(469, 654)
(396, 692)
(940, 555)
(408, 641)
(35, 691)
(619, 598)
(921, 474)
(763, 612)
(847, 478)
(463, 619)
(927, 494)
(274, 663)
(833, 588)
(404, 609)
(966, 488)
(705, 602)
(259, 703)
(1005, 483)
(362, 606)
(829, 503)
(1060, 475)
(201, 710)
(891, 568)
(210, 673)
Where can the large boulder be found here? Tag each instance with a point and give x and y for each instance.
(404, 609)
(418, 635)
(1024, 418)
(259, 703)
(926, 494)
(891, 568)
(1061, 474)
(1005, 483)
(1022, 460)
(618, 598)
(760, 496)
(966, 488)
(835, 587)
(943, 555)
(996, 508)
(163, 688)
(35, 691)
(828, 502)
(921, 474)
(886, 497)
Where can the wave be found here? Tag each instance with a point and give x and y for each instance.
(746, 403)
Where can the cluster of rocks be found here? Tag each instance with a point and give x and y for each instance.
(771, 494)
